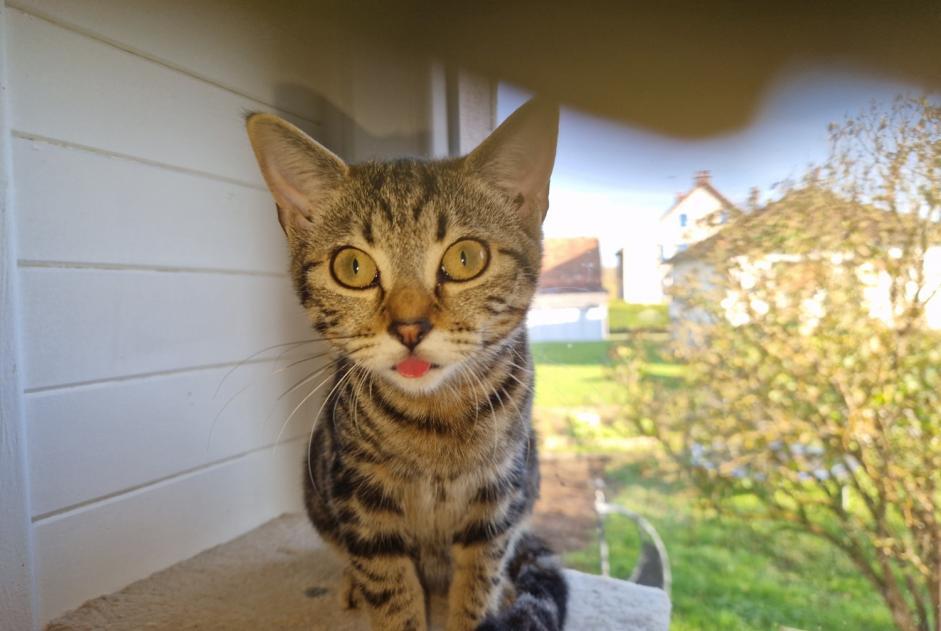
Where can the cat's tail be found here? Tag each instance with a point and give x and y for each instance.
(541, 590)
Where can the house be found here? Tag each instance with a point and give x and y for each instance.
(571, 304)
(774, 241)
(697, 214)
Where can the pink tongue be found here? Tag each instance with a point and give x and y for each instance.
(412, 367)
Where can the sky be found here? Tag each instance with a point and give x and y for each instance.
(613, 181)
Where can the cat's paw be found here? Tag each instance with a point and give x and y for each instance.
(525, 614)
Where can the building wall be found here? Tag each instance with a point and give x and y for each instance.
(568, 317)
(697, 205)
(876, 292)
(151, 268)
(641, 274)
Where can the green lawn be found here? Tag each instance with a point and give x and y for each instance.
(732, 574)
(729, 574)
(573, 374)
(576, 374)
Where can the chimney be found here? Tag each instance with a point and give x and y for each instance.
(702, 178)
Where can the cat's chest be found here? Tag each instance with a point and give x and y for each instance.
(435, 506)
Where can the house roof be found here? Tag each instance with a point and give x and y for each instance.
(703, 181)
(571, 266)
(805, 219)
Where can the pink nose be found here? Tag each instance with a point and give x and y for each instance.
(410, 332)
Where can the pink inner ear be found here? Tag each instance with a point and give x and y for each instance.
(290, 198)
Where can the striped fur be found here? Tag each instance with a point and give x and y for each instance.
(424, 484)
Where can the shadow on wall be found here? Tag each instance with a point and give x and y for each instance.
(360, 131)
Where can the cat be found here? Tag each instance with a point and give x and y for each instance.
(422, 471)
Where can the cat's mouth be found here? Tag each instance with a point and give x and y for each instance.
(414, 367)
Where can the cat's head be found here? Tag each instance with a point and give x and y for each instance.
(414, 270)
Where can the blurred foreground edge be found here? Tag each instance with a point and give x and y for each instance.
(688, 69)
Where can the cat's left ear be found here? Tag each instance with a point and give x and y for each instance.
(519, 155)
(300, 172)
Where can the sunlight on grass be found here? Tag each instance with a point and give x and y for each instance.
(577, 374)
(735, 575)
(574, 386)
(729, 574)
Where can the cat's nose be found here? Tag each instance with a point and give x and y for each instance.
(410, 332)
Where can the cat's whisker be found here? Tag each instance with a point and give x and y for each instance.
(215, 419)
(308, 378)
(241, 391)
(313, 426)
(287, 420)
(355, 401)
(302, 361)
(352, 352)
(516, 379)
(301, 404)
(465, 370)
(363, 376)
(496, 438)
(333, 412)
(530, 388)
(493, 392)
(336, 338)
(274, 407)
(519, 355)
(493, 412)
(287, 351)
(293, 345)
(519, 412)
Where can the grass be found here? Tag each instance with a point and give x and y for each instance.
(573, 374)
(732, 574)
(577, 374)
(729, 574)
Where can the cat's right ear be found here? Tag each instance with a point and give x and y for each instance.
(300, 172)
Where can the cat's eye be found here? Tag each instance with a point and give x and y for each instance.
(354, 268)
(464, 260)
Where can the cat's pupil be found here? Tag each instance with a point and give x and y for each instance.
(463, 258)
(356, 266)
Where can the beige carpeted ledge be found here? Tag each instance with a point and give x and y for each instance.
(280, 576)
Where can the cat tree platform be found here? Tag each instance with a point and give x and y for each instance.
(279, 576)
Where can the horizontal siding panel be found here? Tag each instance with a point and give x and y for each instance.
(75, 89)
(82, 325)
(80, 206)
(253, 48)
(87, 443)
(102, 547)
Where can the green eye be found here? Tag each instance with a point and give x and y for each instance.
(464, 260)
(354, 268)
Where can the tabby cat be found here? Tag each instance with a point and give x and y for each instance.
(422, 471)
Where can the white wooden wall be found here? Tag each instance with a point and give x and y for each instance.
(149, 263)
(16, 564)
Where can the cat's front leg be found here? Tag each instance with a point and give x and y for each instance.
(478, 581)
(349, 597)
(387, 587)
